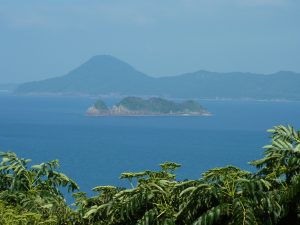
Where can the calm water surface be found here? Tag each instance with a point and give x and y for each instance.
(95, 150)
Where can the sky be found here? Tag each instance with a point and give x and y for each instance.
(48, 38)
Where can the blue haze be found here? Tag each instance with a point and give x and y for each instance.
(42, 39)
(95, 150)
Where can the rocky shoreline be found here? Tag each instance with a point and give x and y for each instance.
(136, 106)
(92, 111)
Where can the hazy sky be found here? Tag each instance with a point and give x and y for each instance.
(41, 39)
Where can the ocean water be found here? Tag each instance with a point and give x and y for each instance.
(95, 150)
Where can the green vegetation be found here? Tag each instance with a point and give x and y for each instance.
(151, 106)
(100, 105)
(32, 195)
(160, 106)
(227, 195)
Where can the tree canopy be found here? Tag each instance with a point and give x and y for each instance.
(226, 195)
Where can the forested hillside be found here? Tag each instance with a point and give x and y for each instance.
(107, 75)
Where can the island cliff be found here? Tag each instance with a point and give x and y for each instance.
(131, 106)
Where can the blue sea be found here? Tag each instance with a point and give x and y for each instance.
(95, 150)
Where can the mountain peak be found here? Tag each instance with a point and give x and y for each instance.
(106, 75)
(103, 58)
(105, 66)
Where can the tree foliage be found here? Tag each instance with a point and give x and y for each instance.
(31, 194)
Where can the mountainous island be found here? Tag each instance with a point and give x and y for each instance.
(131, 106)
(105, 75)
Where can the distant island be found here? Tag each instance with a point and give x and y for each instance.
(105, 75)
(7, 88)
(136, 106)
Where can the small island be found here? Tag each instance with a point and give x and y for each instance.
(136, 106)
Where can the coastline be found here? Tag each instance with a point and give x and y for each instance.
(93, 112)
(117, 96)
(149, 115)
